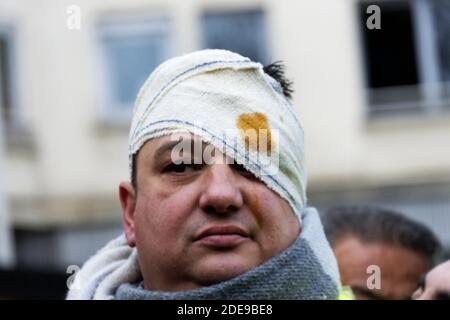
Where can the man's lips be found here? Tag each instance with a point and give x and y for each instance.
(222, 236)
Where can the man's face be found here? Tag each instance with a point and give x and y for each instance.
(195, 225)
(400, 268)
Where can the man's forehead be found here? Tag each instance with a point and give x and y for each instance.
(157, 147)
(171, 139)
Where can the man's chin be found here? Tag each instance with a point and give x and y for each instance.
(211, 272)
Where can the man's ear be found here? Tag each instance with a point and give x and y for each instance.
(127, 197)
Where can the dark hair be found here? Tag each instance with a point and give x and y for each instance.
(134, 171)
(275, 70)
(376, 225)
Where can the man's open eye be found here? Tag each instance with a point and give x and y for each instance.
(181, 167)
(178, 168)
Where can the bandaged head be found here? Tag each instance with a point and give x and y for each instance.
(232, 104)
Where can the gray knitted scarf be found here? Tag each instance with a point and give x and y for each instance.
(305, 270)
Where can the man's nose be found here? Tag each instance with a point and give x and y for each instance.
(221, 194)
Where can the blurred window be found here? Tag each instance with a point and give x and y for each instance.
(441, 13)
(239, 31)
(407, 61)
(5, 77)
(133, 47)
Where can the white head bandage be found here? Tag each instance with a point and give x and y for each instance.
(218, 95)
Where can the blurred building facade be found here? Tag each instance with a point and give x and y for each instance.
(375, 103)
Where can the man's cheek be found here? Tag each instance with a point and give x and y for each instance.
(165, 215)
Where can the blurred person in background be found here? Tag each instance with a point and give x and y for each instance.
(219, 230)
(435, 285)
(365, 236)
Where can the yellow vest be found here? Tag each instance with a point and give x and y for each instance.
(346, 293)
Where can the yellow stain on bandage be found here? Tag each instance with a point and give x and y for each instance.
(255, 132)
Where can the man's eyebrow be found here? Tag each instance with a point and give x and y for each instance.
(368, 293)
(168, 146)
